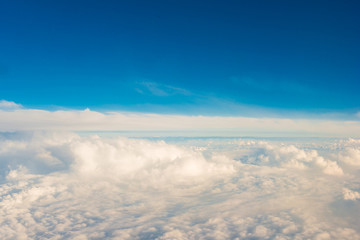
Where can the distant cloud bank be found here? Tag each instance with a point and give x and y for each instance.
(13, 117)
(8, 105)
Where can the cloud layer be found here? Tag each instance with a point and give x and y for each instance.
(21, 119)
(64, 186)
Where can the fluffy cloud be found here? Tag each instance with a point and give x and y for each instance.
(350, 153)
(350, 195)
(64, 186)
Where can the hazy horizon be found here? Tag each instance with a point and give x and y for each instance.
(179, 120)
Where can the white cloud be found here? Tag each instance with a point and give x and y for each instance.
(292, 157)
(161, 90)
(349, 153)
(73, 120)
(350, 195)
(62, 185)
(351, 156)
(8, 105)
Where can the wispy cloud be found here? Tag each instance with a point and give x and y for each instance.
(158, 89)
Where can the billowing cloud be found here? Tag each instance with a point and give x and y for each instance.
(350, 195)
(66, 186)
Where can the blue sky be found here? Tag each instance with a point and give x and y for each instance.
(185, 57)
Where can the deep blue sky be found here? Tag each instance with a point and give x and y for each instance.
(175, 55)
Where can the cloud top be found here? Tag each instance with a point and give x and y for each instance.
(351, 195)
(62, 185)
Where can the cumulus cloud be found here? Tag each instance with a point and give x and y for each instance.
(350, 195)
(350, 153)
(65, 186)
(292, 157)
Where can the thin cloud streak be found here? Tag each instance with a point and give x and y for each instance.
(160, 90)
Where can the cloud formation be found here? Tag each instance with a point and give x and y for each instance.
(350, 195)
(64, 186)
(8, 105)
(160, 90)
(74, 120)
